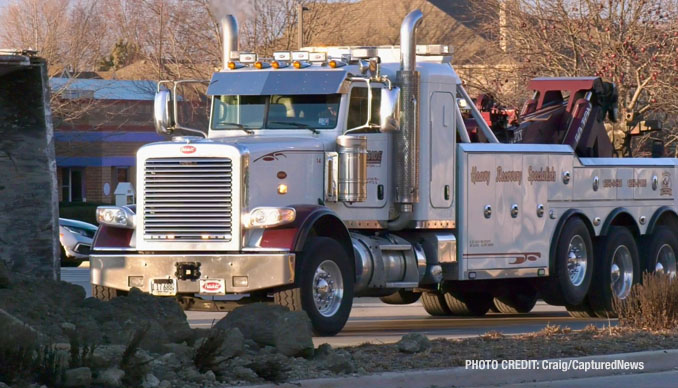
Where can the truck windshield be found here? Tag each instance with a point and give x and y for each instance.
(275, 112)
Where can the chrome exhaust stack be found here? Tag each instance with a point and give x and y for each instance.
(229, 26)
(407, 140)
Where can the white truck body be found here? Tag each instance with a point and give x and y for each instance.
(485, 219)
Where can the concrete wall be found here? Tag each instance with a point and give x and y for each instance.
(28, 192)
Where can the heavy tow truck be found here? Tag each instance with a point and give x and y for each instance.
(338, 172)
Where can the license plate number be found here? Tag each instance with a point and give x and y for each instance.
(164, 287)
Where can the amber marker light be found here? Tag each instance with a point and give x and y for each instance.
(282, 189)
(275, 64)
(258, 65)
(333, 64)
(297, 65)
(231, 65)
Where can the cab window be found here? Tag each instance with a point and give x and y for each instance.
(357, 107)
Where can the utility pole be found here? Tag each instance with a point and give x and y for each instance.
(300, 24)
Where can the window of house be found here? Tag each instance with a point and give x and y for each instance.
(122, 174)
(72, 184)
(357, 107)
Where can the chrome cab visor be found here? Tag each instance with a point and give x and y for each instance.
(278, 82)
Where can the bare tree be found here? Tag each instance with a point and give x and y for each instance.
(631, 43)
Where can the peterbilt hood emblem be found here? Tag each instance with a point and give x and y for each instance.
(187, 149)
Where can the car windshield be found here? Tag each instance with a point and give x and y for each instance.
(275, 112)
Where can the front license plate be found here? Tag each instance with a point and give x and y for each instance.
(164, 287)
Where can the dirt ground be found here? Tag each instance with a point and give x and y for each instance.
(552, 342)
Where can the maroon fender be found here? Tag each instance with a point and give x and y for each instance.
(319, 219)
(112, 237)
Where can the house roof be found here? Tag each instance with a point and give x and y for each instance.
(377, 22)
(100, 89)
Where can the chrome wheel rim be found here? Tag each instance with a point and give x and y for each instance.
(577, 260)
(621, 272)
(328, 288)
(666, 261)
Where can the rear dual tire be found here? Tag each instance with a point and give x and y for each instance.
(572, 272)
(456, 303)
(617, 271)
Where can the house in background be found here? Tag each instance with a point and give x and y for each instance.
(99, 126)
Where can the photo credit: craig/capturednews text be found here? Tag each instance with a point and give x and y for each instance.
(561, 365)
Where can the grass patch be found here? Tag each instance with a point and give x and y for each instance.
(652, 305)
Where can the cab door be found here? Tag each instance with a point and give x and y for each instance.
(443, 138)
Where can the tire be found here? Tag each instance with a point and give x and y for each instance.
(401, 297)
(520, 302)
(616, 272)
(434, 304)
(468, 304)
(324, 263)
(573, 268)
(582, 310)
(660, 250)
(105, 293)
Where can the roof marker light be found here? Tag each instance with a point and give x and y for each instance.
(334, 63)
(262, 65)
(301, 64)
(235, 65)
(279, 65)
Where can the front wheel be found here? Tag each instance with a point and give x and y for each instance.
(105, 293)
(324, 286)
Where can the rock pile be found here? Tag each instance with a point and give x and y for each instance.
(145, 341)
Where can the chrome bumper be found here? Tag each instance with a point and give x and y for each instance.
(262, 270)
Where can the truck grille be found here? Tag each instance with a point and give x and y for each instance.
(187, 199)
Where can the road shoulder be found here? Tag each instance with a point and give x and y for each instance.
(653, 361)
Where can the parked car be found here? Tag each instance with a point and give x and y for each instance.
(76, 241)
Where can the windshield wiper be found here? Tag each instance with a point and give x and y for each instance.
(239, 126)
(296, 125)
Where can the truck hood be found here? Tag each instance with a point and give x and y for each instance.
(264, 146)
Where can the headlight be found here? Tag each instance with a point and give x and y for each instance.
(269, 217)
(120, 217)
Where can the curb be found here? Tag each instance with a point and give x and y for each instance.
(654, 361)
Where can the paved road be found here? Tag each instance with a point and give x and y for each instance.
(666, 379)
(376, 322)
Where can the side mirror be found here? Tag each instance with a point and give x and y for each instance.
(390, 110)
(162, 113)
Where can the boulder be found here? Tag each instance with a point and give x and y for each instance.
(234, 343)
(4, 275)
(414, 343)
(323, 351)
(293, 334)
(339, 361)
(107, 355)
(150, 381)
(255, 321)
(111, 377)
(78, 377)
